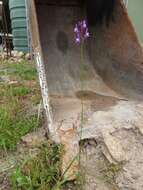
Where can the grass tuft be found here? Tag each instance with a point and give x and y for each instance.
(23, 70)
(42, 172)
(13, 128)
(16, 119)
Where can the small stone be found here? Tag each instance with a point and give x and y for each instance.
(69, 141)
(20, 54)
(13, 82)
(114, 147)
(20, 60)
(14, 53)
(28, 56)
(17, 54)
(34, 139)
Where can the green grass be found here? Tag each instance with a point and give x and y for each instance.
(14, 91)
(12, 128)
(16, 100)
(23, 70)
(42, 172)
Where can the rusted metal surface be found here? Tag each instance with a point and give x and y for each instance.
(113, 69)
(119, 55)
(112, 54)
(40, 65)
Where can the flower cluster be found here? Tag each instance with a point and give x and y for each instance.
(81, 31)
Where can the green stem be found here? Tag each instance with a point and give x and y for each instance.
(82, 88)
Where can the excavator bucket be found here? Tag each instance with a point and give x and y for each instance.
(112, 69)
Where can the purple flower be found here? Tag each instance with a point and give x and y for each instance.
(81, 31)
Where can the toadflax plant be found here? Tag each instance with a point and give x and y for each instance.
(81, 34)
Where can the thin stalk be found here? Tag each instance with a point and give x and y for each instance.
(39, 112)
(82, 88)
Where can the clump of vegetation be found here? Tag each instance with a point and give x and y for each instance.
(19, 100)
(110, 173)
(12, 129)
(42, 172)
(23, 70)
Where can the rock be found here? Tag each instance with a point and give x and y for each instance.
(34, 139)
(114, 146)
(13, 82)
(14, 53)
(17, 55)
(119, 134)
(70, 158)
(20, 54)
(20, 60)
(117, 160)
(28, 56)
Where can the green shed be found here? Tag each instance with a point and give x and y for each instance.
(19, 24)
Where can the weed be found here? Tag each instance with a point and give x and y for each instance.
(10, 91)
(23, 70)
(110, 172)
(42, 172)
(15, 100)
(12, 129)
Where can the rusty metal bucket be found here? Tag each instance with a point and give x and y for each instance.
(113, 65)
(113, 57)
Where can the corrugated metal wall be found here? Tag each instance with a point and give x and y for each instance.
(19, 25)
